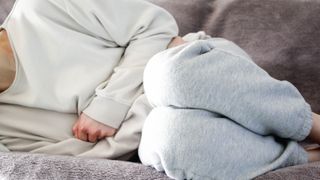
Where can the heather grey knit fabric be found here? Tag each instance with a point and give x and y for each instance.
(218, 115)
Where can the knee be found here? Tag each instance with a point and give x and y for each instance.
(170, 76)
(163, 79)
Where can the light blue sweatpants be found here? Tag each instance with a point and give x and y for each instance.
(217, 115)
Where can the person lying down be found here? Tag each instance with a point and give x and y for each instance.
(71, 84)
(71, 75)
(217, 115)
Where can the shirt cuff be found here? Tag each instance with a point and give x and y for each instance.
(107, 111)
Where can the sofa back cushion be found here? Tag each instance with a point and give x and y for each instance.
(5, 7)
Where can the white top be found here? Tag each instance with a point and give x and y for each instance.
(88, 56)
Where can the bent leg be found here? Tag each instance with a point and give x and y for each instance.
(196, 144)
(217, 76)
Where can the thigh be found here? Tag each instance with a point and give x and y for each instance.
(196, 144)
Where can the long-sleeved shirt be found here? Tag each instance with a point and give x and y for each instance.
(75, 56)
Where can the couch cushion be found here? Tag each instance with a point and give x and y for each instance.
(310, 171)
(189, 13)
(282, 36)
(40, 166)
(5, 7)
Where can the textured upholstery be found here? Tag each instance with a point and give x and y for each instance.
(5, 7)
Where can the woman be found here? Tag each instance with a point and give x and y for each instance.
(71, 75)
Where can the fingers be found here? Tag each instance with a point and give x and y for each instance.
(102, 135)
(75, 129)
(87, 129)
(93, 137)
(82, 134)
(85, 136)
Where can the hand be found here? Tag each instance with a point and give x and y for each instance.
(176, 42)
(88, 129)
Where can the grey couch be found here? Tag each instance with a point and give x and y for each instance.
(282, 36)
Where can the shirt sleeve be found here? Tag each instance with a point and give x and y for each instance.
(144, 29)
